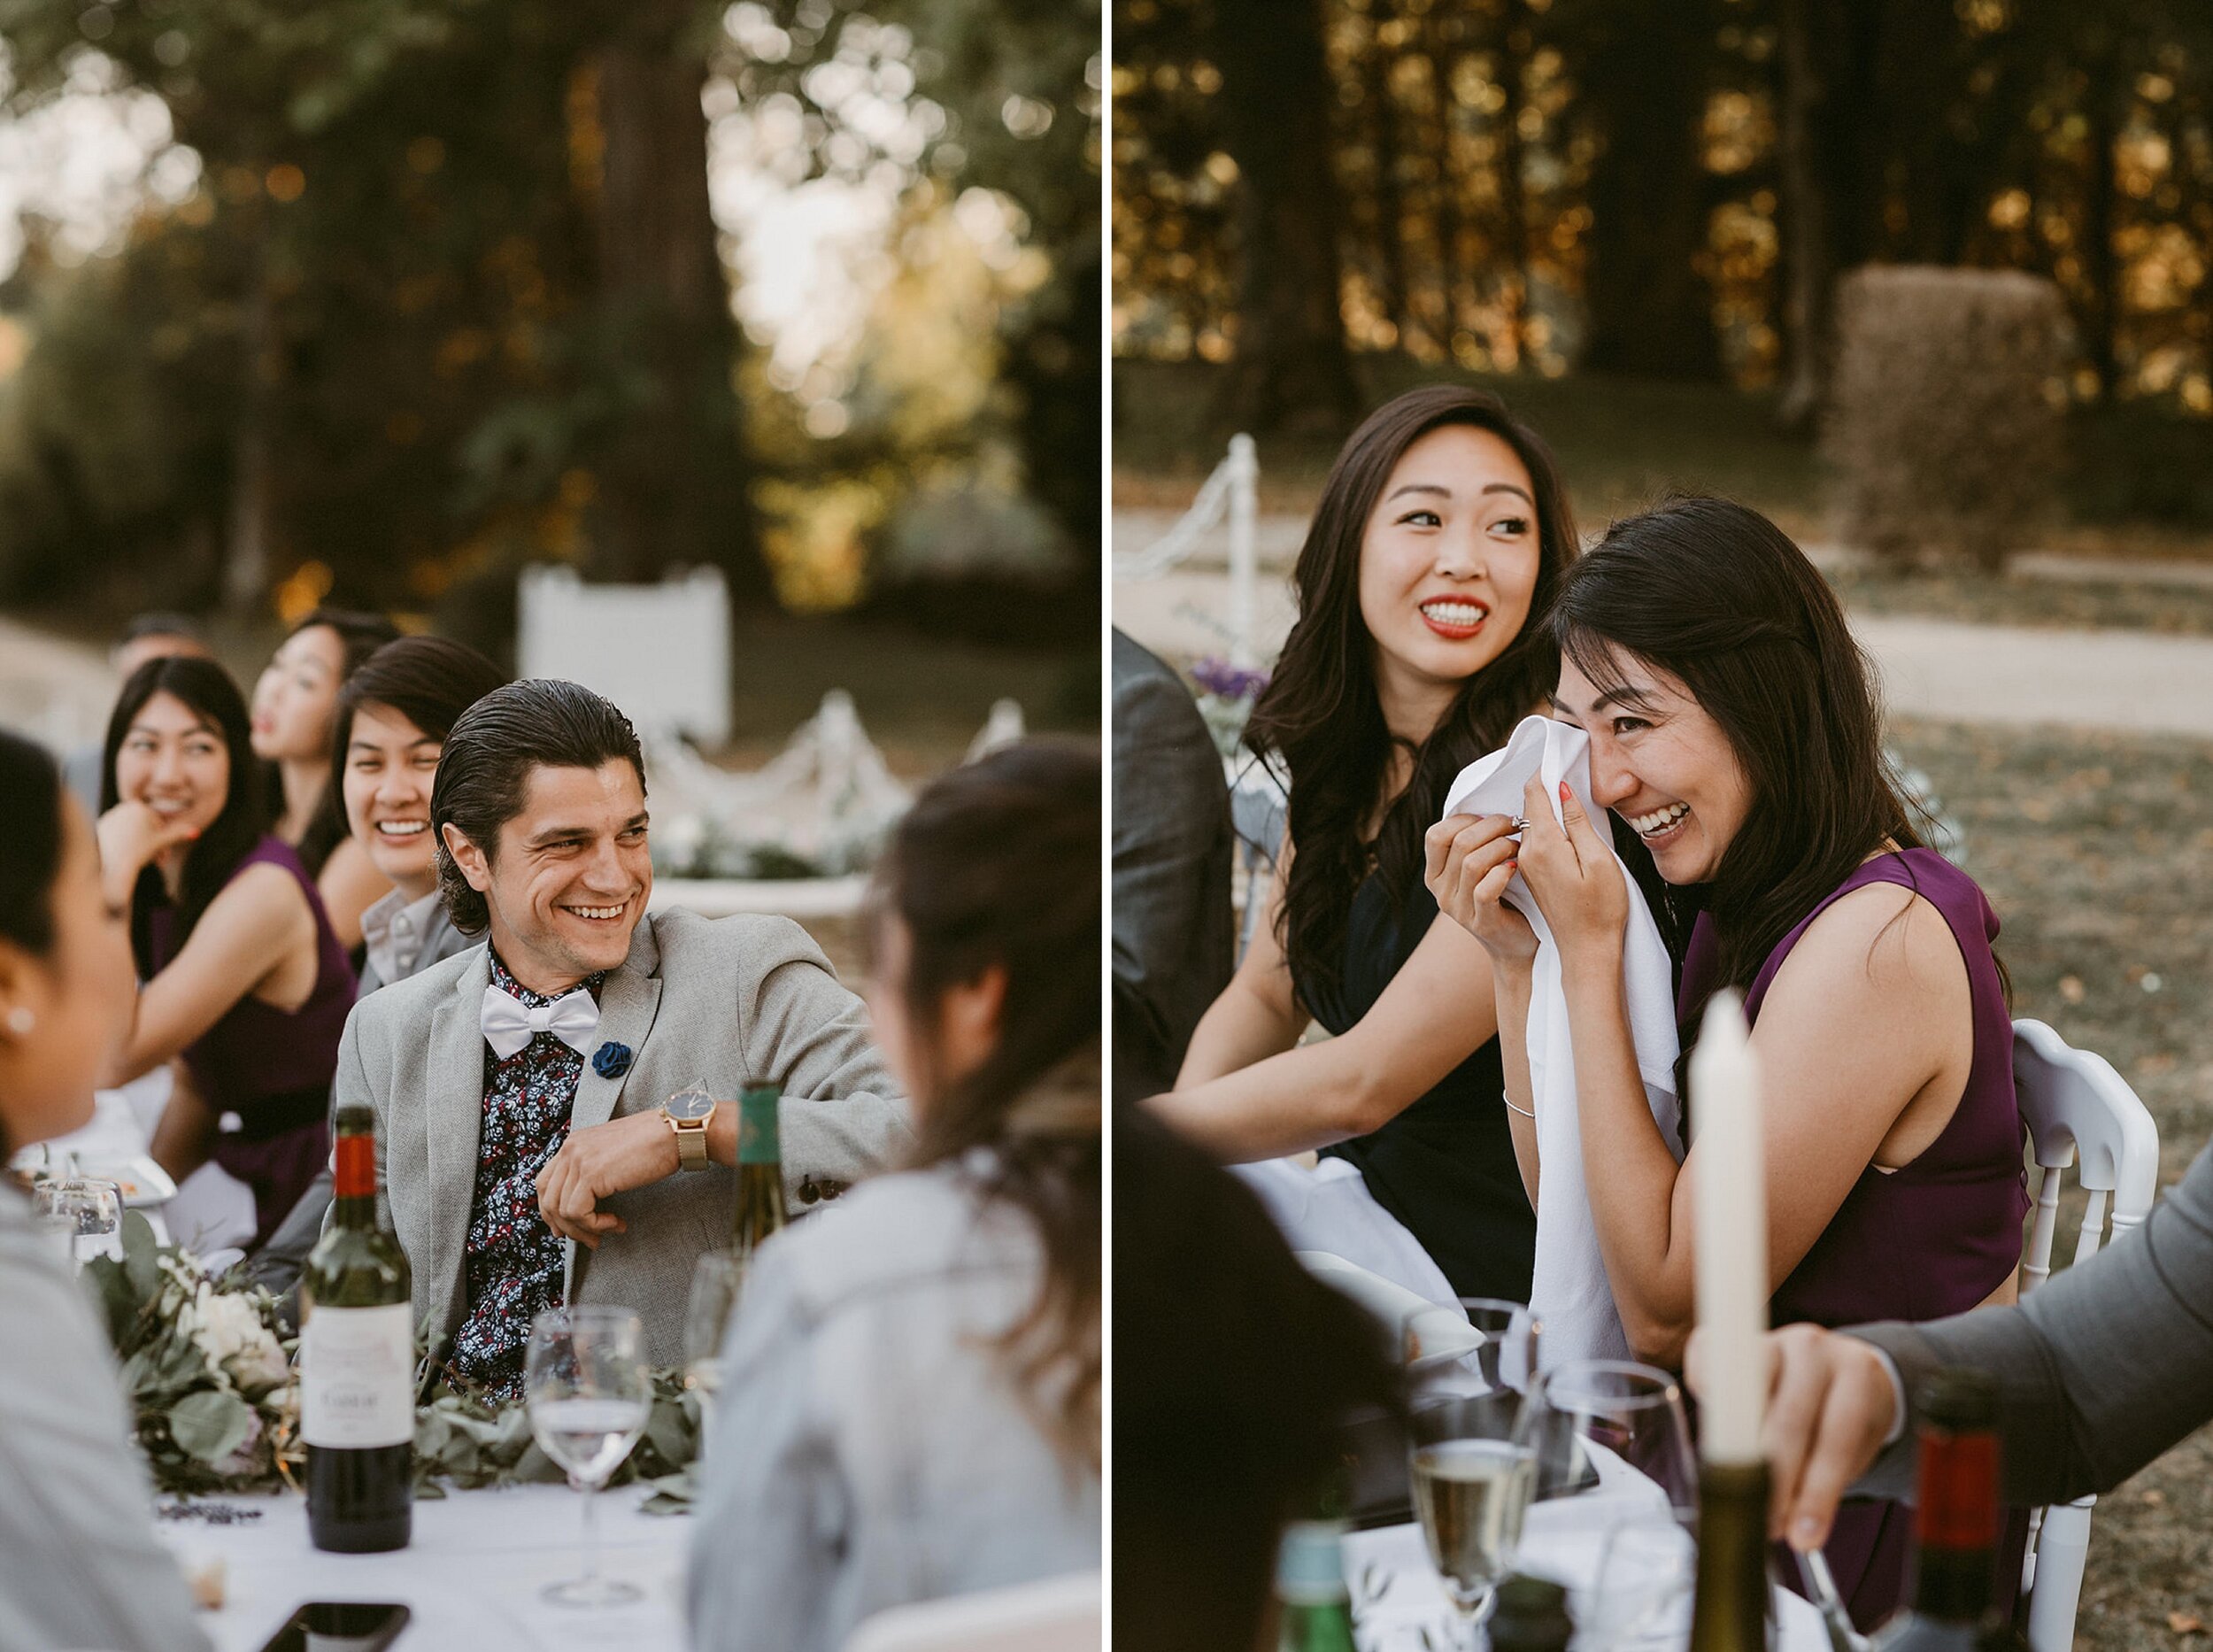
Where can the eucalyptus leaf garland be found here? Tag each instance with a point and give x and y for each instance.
(207, 1371)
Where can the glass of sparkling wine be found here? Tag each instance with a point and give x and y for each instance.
(90, 1209)
(715, 1284)
(589, 1394)
(1471, 1481)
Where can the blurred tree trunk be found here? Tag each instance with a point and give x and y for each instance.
(1388, 205)
(2100, 269)
(246, 582)
(1292, 368)
(1651, 314)
(672, 490)
(1515, 44)
(1810, 271)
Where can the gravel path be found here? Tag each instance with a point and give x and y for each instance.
(1946, 669)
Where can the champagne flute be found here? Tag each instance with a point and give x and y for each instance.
(1611, 1436)
(588, 1393)
(716, 1282)
(1471, 1479)
(89, 1209)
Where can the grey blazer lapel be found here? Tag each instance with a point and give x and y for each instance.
(627, 1004)
(453, 1113)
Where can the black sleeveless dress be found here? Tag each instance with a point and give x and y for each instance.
(1445, 1167)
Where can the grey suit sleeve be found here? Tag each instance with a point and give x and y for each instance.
(1173, 934)
(2104, 1368)
(842, 1116)
(82, 1566)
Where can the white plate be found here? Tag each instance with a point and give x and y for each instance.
(145, 1182)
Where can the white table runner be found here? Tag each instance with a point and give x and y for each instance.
(471, 1576)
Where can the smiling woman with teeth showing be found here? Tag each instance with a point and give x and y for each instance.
(1734, 733)
(1442, 529)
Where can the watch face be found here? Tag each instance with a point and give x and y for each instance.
(689, 1104)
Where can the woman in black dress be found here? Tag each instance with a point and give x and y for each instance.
(1441, 534)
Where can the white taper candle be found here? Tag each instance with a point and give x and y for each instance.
(1729, 1196)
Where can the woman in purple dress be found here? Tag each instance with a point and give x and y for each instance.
(243, 975)
(1734, 735)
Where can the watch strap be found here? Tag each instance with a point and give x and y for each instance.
(691, 1143)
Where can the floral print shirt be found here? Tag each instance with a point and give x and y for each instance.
(513, 1266)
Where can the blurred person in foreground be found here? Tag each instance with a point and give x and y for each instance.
(295, 706)
(390, 725)
(910, 1404)
(1234, 1372)
(520, 1086)
(1175, 937)
(154, 635)
(2105, 1367)
(244, 977)
(82, 1568)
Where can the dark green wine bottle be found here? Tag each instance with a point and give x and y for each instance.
(1729, 1613)
(1957, 1521)
(759, 1168)
(1531, 1617)
(1315, 1607)
(357, 1362)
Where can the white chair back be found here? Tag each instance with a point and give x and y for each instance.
(2081, 1111)
(1055, 1615)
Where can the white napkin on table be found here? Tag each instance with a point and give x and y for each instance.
(1568, 1293)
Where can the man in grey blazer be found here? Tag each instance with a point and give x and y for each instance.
(2104, 1368)
(523, 1088)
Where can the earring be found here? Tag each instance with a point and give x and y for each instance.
(20, 1021)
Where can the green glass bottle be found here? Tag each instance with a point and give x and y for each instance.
(1957, 1521)
(1729, 1613)
(1531, 1617)
(357, 1362)
(1315, 1607)
(759, 1168)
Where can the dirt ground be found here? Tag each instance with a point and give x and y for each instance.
(2097, 853)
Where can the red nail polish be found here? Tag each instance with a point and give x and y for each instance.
(1565, 793)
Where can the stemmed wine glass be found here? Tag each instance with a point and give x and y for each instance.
(1471, 1477)
(87, 1209)
(716, 1282)
(1611, 1435)
(1483, 1344)
(588, 1393)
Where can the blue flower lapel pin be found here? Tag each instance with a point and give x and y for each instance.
(610, 1060)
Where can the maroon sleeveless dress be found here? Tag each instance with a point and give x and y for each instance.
(272, 1068)
(1935, 1237)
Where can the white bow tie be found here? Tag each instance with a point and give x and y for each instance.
(509, 1024)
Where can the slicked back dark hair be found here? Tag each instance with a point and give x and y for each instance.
(206, 689)
(1713, 593)
(1319, 716)
(489, 754)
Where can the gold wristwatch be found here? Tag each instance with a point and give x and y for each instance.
(688, 1112)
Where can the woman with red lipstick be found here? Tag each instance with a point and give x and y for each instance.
(244, 978)
(1442, 531)
(295, 700)
(1734, 733)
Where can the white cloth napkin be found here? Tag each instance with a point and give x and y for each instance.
(1443, 1331)
(1328, 1209)
(1568, 1293)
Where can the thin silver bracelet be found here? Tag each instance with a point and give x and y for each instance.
(1510, 1107)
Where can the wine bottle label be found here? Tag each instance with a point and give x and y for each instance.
(358, 1376)
(757, 1142)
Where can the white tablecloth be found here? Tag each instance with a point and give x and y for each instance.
(1400, 1604)
(471, 1576)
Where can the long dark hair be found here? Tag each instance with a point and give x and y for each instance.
(359, 635)
(1715, 595)
(485, 770)
(996, 864)
(30, 852)
(1320, 717)
(207, 692)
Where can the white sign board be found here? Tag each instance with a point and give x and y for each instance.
(661, 653)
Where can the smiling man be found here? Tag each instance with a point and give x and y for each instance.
(520, 1085)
